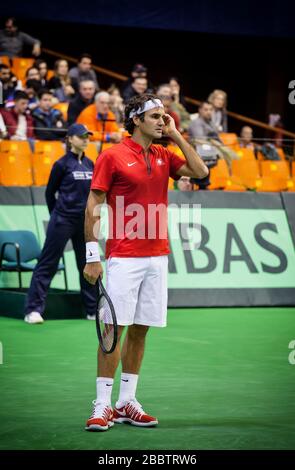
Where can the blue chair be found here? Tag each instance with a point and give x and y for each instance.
(18, 248)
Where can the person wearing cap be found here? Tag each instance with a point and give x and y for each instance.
(133, 177)
(70, 177)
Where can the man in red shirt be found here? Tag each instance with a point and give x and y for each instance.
(133, 177)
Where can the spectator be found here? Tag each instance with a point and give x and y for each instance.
(218, 99)
(43, 70)
(202, 130)
(18, 121)
(84, 98)
(61, 84)
(185, 184)
(165, 94)
(138, 71)
(100, 120)
(33, 74)
(137, 87)
(178, 104)
(48, 122)
(32, 89)
(10, 84)
(116, 104)
(12, 41)
(246, 137)
(3, 130)
(83, 72)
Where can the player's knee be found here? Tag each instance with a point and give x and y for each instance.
(137, 332)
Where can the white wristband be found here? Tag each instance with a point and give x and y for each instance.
(92, 254)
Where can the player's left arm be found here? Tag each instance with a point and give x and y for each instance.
(194, 166)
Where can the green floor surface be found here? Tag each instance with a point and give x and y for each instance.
(215, 378)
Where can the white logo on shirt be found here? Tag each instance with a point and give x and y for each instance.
(130, 164)
(82, 175)
(160, 161)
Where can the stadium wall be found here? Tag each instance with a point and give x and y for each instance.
(244, 257)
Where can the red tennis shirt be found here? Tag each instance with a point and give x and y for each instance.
(136, 185)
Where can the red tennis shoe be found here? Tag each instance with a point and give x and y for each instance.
(133, 413)
(101, 418)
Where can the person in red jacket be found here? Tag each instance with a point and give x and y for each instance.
(18, 121)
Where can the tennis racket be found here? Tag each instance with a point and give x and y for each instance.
(106, 321)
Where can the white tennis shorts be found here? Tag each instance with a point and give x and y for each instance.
(138, 289)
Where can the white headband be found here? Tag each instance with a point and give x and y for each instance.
(150, 104)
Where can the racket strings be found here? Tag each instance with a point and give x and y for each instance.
(106, 323)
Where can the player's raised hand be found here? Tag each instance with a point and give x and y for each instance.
(169, 127)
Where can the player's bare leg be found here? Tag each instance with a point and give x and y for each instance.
(107, 363)
(133, 348)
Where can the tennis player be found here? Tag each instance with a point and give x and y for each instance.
(133, 177)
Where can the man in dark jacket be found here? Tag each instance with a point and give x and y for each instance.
(84, 98)
(48, 122)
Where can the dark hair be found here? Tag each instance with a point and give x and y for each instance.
(4, 66)
(38, 62)
(11, 18)
(33, 83)
(202, 104)
(31, 68)
(135, 103)
(44, 91)
(84, 56)
(20, 95)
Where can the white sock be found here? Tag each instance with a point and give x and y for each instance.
(128, 386)
(104, 386)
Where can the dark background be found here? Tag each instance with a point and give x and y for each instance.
(248, 50)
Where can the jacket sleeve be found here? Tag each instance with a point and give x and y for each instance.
(53, 185)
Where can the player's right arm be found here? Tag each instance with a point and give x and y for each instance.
(96, 198)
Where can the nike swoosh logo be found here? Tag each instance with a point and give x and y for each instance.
(125, 380)
(109, 385)
(121, 413)
(130, 164)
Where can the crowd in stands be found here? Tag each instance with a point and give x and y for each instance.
(40, 104)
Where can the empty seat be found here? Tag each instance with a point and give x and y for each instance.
(4, 59)
(230, 140)
(274, 175)
(46, 153)
(219, 175)
(16, 147)
(15, 170)
(53, 148)
(247, 171)
(20, 65)
(246, 154)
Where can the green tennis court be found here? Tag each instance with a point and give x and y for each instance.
(215, 378)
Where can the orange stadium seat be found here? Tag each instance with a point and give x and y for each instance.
(54, 148)
(230, 140)
(16, 147)
(277, 172)
(293, 169)
(46, 153)
(219, 175)
(15, 170)
(246, 154)
(20, 65)
(63, 108)
(91, 151)
(4, 59)
(281, 153)
(247, 171)
(50, 74)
